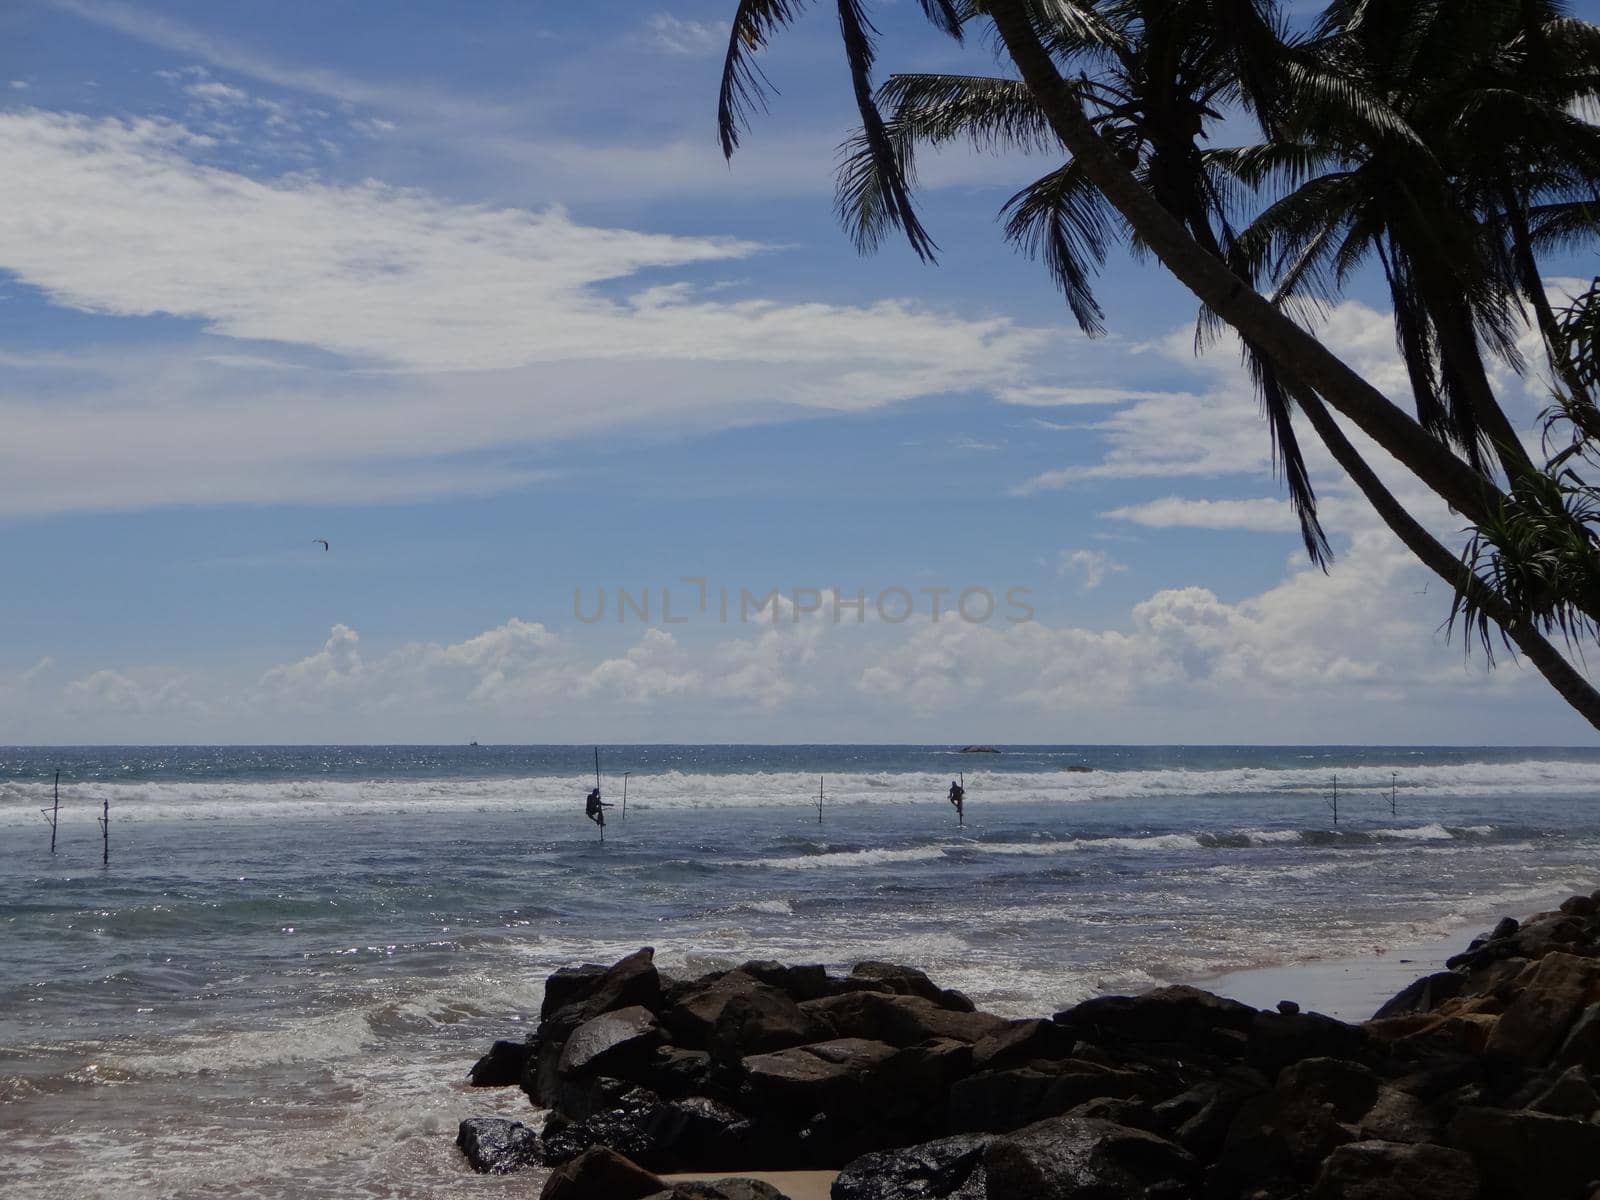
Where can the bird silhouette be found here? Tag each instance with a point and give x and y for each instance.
(323, 542)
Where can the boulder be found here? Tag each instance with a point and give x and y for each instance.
(1397, 1116)
(502, 1066)
(496, 1146)
(1347, 1088)
(997, 1101)
(721, 1189)
(1424, 995)
(899, 1019)
(673, 1071)
(1276, 1137)
(1020, 1042)
(1571, 1095)
(584, 994)
(1070, 1158)
(601, 1174)
(618, 1116)
(801, 982)
(1278, 1039)
(823, 1077)
(692, 1013)
(1537, 1022)
(905, 1090)
(947, 1169)
(1579, 906)
(1528, 1155)
(1582, 1045)
(1389, 1171)
(568, 985)
(695, 1131)
(1163, 1016)
(759, 1020)
(908, 981)
(614, 1043)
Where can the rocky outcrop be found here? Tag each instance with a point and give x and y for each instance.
(497, 1146)
(1482, 1081)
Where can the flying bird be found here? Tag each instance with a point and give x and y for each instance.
(323, 542)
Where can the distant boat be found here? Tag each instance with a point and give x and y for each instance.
(979, 750)
(472, 743)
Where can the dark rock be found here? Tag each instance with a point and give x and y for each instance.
(1199, 1119)
(617, 1115)
(496, 1146)
(823, 1077)
(673, 1071)
(1020, 1042)
(997, 1101)
(1528, 1155)
(601, 1174)
(1388, 1171)
(502, 1066)
(1135, 1114)
(614, 1043)
(1579, 906)
(694, 1131)
(1276, 1137)
(802, 982)
(1165, 1015)
(1347, 1088)
(1068, 1158)
(568, 985)
(899, 1019)
(1571, 1095)
(1539, 1019)
(627, 982)
(1424, 995)
(1507, 927)
(1397, 1116)
(947, 1169)
(1287, 1007)
(1276, 1039)
(905, 1091)
(692, 1013)
(721, 1189)
(908, 981)
(1582, 1045)
(760, 1020)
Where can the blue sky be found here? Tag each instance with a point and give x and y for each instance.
(469, 292)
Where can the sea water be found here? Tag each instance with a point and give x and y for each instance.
(278, 982)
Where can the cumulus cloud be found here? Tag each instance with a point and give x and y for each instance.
(1176, 512)
(678, 36)
(1091, 565)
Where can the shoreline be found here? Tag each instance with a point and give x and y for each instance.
(1352, 988)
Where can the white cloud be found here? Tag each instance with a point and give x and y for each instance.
(1175, 512)
(471, 329)
(1093, 565)
(1054, 397)
(677, 36)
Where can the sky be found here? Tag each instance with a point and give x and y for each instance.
(469, 292)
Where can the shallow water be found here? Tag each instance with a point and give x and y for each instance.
(276, 986)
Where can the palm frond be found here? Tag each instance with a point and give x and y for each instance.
(744, 89)
(1064, 221)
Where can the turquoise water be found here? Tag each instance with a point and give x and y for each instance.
(294, 954)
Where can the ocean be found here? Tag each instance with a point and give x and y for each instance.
(277, 984)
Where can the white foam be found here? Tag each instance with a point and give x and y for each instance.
(233, 800)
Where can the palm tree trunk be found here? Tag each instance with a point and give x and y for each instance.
(1549, 661)
(1296, 352)
(1299, 355)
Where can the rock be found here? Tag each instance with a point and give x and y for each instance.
(1069, 1158)
(1528, 1155)
(1579, 906)
(1571, 1095)
(1388, 1171)
(1397, 1116)
(673, 1071)
(601, 1174)
(1199, 1119)
(997, 1101)
(947, 1169)
(627, 982)
(1165, 1015)
(899, 1019)
(1287, 1007)
(1347, 1088)
(1582, 1045)
(692, 1014)
(1538, 1020)
(908, 981)
(567, 985)
(502, 1066)
(1507, 927)
(617, 1115)
(1278, 1039)
(614, 1043)
(823, 1077)
(760, 1020)
(805, 982)
(496, 1146)
(1423, 995)
(721, 1189)
(694, 1131)
(904, 1092)
(1276, 1137)
(1021, 1042)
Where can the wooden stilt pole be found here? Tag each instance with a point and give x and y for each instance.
(53, 813)
(1333, 800)
(1394, 799)
(961, 809)
(105, 834)
(625, 775)
(819, 799)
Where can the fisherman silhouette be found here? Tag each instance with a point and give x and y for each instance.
(595, 808)
(957, 795)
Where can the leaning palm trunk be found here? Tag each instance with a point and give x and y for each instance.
(1297, 355)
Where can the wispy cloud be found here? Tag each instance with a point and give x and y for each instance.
(677, 36)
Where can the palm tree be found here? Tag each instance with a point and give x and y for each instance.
(1067, 215)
